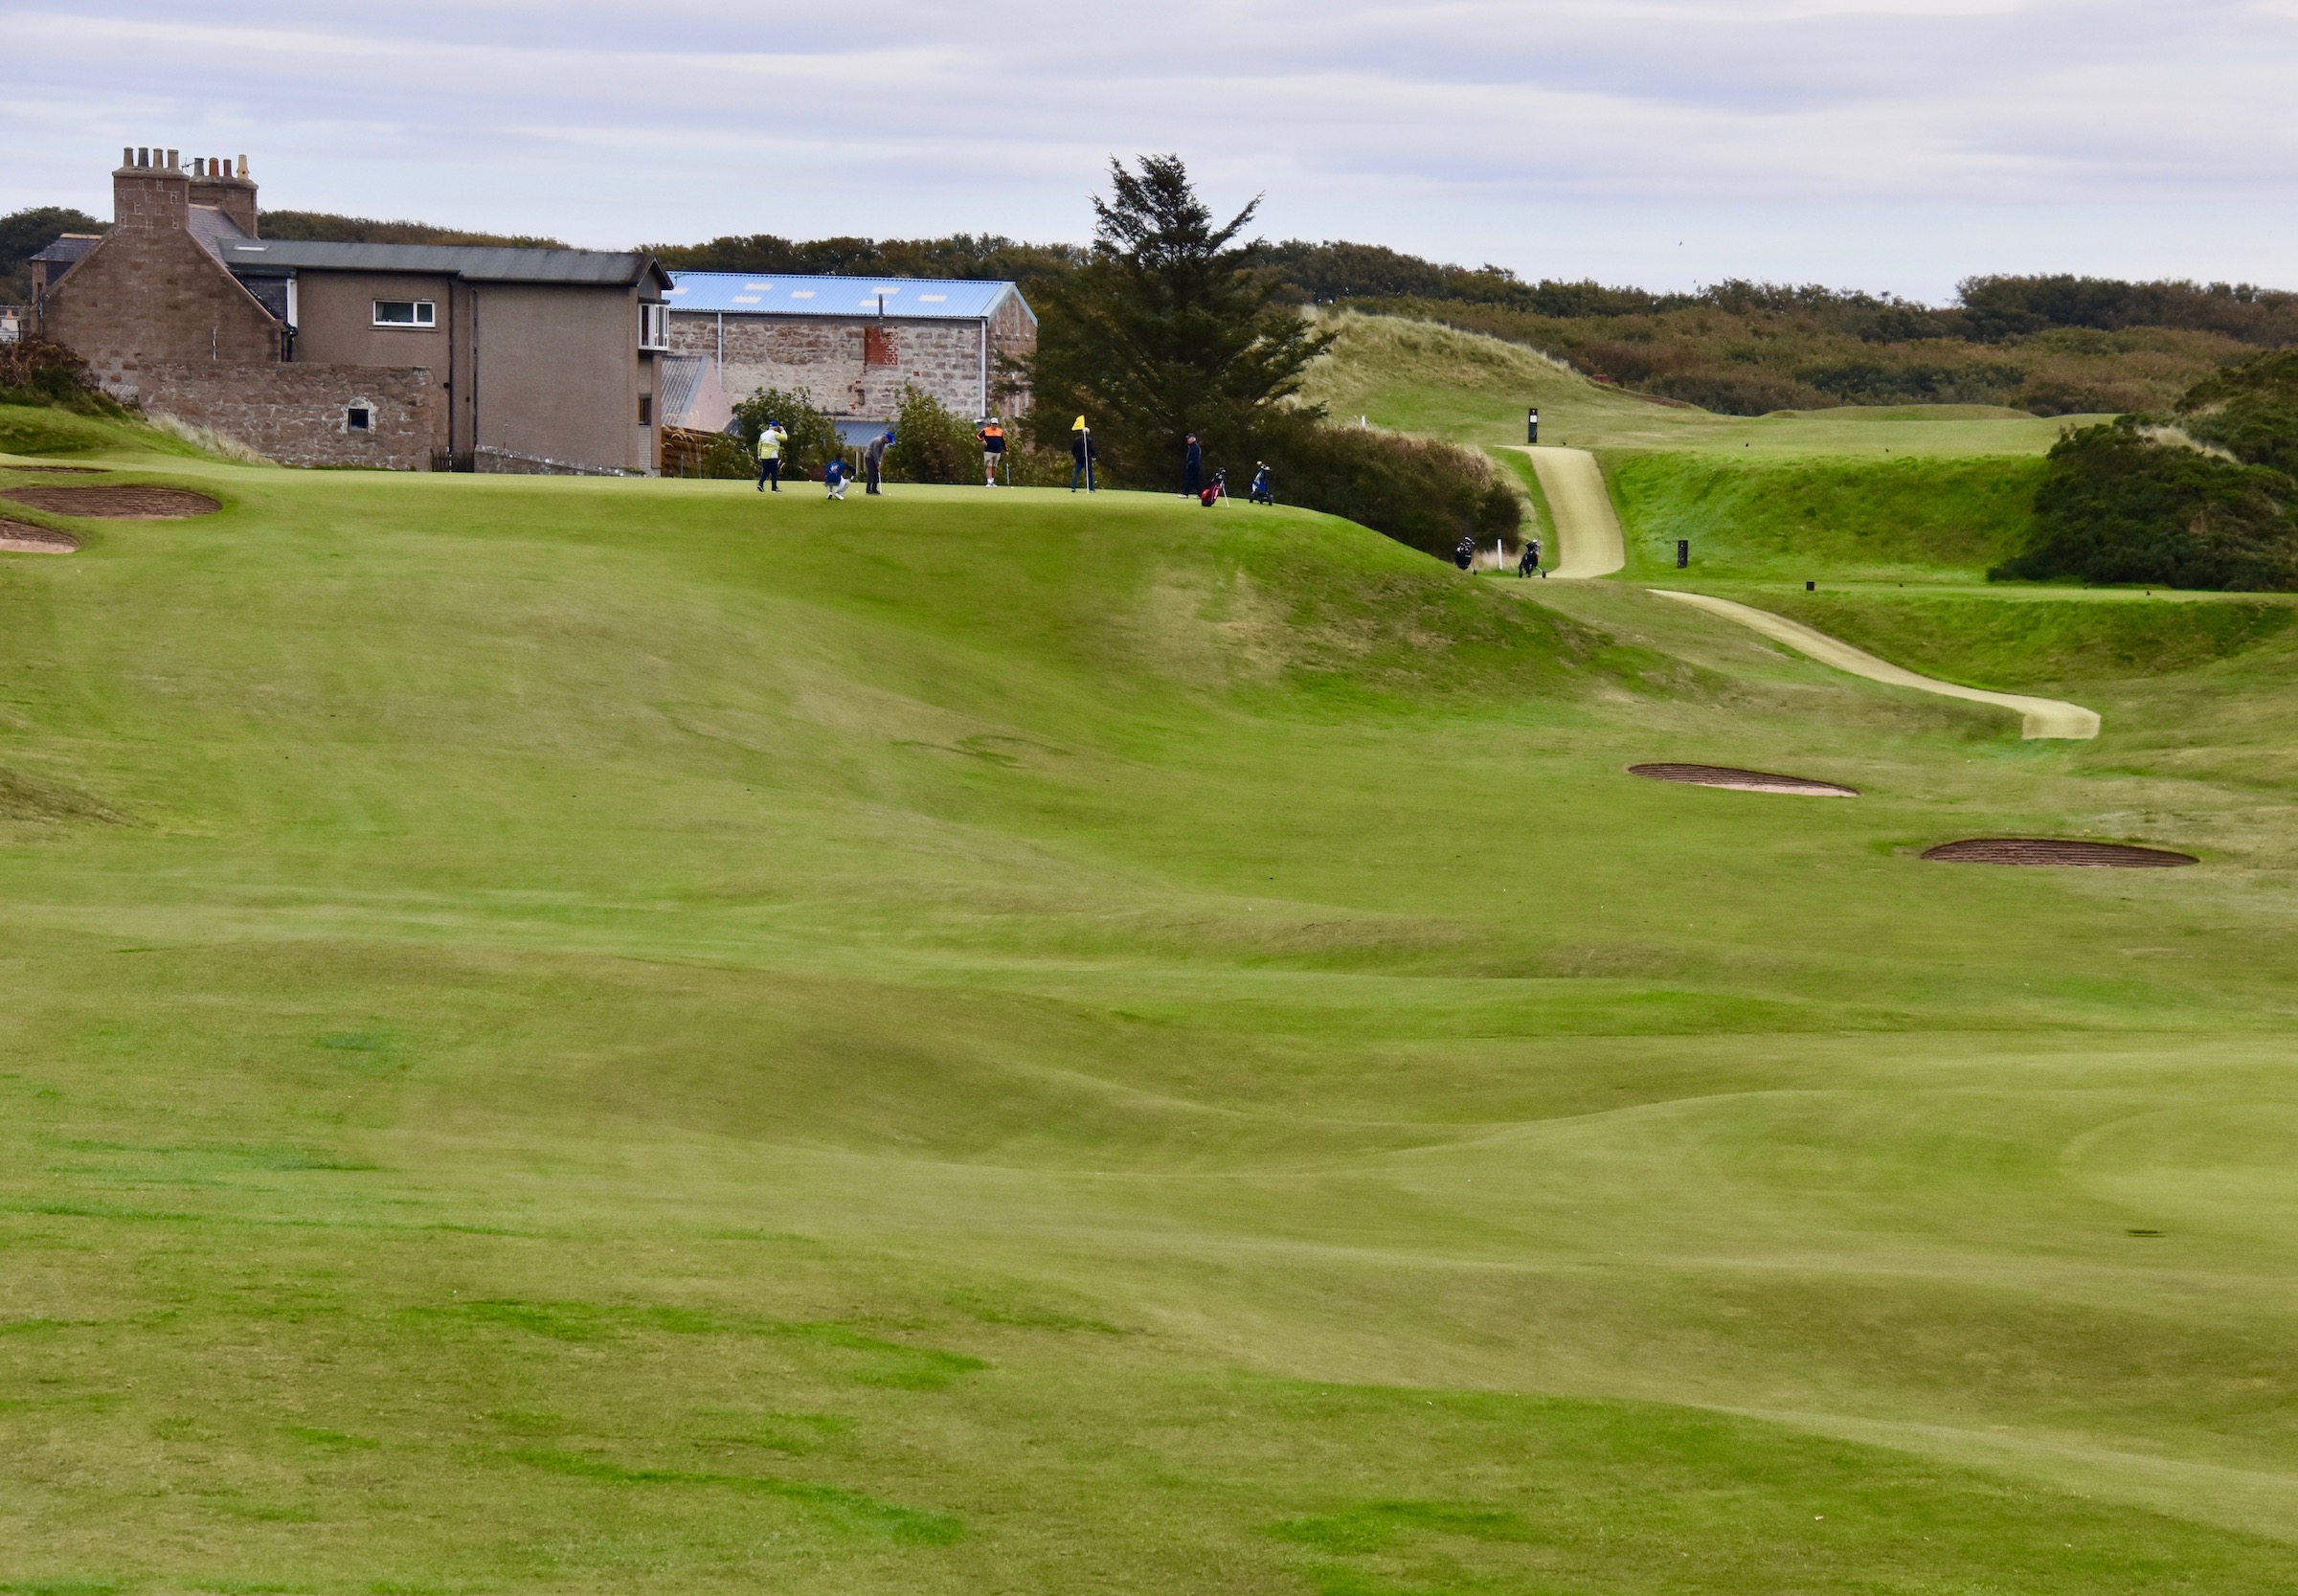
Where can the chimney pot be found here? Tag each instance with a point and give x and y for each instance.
(243, 166)
(143, 156)
(171, 165)
(128, 155)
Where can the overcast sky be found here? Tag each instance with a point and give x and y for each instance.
(1668, 143)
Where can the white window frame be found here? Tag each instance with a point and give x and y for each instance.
(654, 327)
(424, 314)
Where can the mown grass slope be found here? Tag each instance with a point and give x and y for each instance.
(1918, 518)
(610, 1036)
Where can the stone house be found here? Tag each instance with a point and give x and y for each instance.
(409, 356)
(851, 345)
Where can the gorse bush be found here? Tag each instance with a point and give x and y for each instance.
(2118, 505)
(1423, 493)
(813, 442)
(2249, 409)
(37, 372)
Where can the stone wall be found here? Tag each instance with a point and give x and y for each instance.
(150, 293)
(299, 415)
(825, 359)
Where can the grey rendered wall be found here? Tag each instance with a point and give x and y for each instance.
(558, 375)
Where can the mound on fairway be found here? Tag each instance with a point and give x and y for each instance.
(628, 1036)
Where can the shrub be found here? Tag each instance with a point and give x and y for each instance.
(2250, 411)
(2117, 505)
(1422, 492)
(814, 440)
(34, 372)
(930, 445)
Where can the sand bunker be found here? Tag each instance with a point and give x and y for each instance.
(116, 503)
(22, 538)
(1742, 782)
(58, 470)
(2052, 850)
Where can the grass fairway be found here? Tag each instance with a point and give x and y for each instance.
(635, 1036)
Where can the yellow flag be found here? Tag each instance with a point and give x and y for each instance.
(1080, 426)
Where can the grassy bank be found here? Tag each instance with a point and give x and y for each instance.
(619, 1035)
(1900, 520)
(1419, 377)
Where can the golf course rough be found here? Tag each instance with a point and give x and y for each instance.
(618, 1036)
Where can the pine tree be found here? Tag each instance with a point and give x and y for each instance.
(1172, 326)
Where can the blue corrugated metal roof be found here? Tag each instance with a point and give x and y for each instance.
(765, 294)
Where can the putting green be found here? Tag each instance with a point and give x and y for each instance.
(627, 1035)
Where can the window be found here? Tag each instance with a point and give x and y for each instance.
(654, 327)
(406, 313)
(359, 417)
(645, 410)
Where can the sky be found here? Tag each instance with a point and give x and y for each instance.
(1895, 148)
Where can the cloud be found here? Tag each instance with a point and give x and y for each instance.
(1661, 140)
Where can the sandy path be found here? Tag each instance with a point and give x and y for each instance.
(2042, 717)
(1587, 534)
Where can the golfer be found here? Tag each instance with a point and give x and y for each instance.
(835, 474)
(1081, 451)
(1192, 465)
(873, 459)
(771, 438)
(993, 451)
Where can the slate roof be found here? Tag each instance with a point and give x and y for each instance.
(471, 262)
(212, 229)
(770, 294)
(66, 250)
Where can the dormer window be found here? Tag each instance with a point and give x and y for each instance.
(406, 313)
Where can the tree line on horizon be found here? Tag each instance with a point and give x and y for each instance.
(2052, 344)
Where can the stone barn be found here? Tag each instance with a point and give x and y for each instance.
(851, 345)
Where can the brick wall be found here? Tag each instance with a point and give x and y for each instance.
(822, 358)
(150, 293)
(298, 415)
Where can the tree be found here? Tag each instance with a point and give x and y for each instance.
(813, 436)
(1171, 327)
(24, 234)
(931, 446)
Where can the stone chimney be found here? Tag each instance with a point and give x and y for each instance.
(214, 182)
(150, 191)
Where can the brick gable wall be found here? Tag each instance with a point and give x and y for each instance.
(148, 293)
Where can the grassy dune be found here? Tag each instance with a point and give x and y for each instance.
(630, 1036)
(1417, 376)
